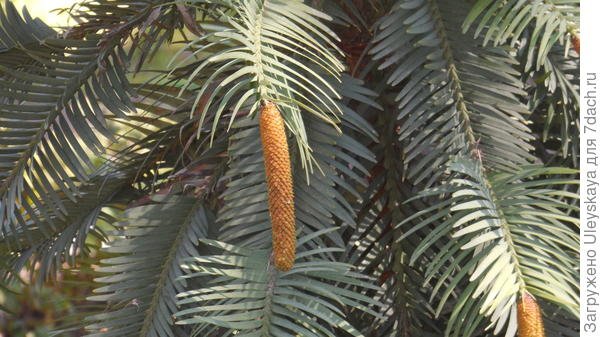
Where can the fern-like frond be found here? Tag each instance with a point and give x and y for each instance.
(141, 279)
(53, 112)
(547, 22)
(49, 241)
(156, 23)
(246, 296)
(510, 232)
(372, 247)
(554, 100)
(156, 158)
(279, 51)
(161, 137)
(18, 30)
(454, 96)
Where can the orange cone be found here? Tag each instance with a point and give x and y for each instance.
(279, 185)
(529, 316)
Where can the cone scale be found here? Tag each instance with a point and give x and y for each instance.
(529, 316)
(279, 186)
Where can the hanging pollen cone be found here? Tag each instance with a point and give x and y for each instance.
(530, 317)
(279, 185)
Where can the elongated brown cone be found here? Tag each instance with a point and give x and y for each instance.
(575, 42)
(279, 185)
(530, 317)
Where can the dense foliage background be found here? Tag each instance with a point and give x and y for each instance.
(434, 149)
